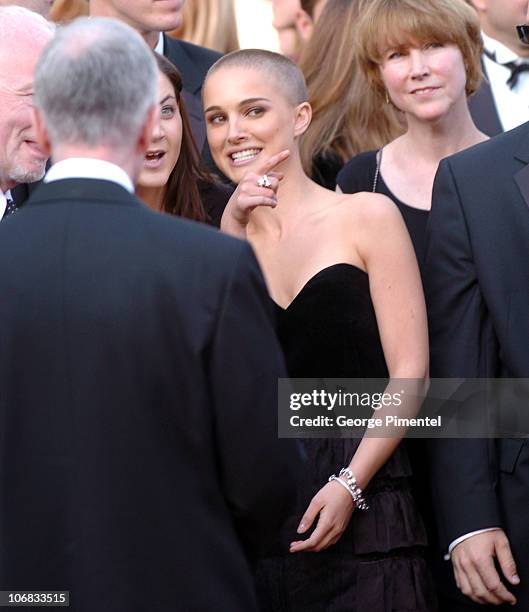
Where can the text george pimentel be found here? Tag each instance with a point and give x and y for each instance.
(344, 421)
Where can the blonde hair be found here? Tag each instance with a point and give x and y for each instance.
(68, 10)
(388, 24)
(347, 118)
(209, 23)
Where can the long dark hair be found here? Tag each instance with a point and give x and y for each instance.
(182, 194)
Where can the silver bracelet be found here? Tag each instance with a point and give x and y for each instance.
(340, 481)
(356, 491)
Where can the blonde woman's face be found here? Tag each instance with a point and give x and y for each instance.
(424, 81)
(248, 119)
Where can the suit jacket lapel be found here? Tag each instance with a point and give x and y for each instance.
(192, 82)
(191, 74)
(522, 176)
(21, 193)
(196, 119)
(483, 110)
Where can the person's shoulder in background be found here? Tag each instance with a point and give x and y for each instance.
(201, 57)
(358, 174)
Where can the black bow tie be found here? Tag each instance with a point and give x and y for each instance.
(516, 69)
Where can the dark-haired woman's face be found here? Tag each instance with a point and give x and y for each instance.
(425, 80)
(166, 140)
(248, 119)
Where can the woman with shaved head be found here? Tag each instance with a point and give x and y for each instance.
(346, 287)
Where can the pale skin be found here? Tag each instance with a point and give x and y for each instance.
(39, 6)
(474, 570)
(427, 83)
(297, 228)
(166, 138)
(499, 19)
(21, 159)
(147, 17)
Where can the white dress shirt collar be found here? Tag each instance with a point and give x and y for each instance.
(3, 202)
(89, 168)
(511, 104)
(503, 54)
(159, 45)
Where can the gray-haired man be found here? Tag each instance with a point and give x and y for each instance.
(139, 460)
(23, 35)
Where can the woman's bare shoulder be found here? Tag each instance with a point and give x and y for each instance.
(369, 208)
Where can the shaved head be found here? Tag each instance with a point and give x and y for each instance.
(275, 67)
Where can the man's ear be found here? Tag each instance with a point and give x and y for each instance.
(149, 125)
(303, 118)
(304, 25)
(41, 133)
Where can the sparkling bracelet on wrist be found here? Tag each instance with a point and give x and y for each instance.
(344, 485)
(353, 488)
(358, 494)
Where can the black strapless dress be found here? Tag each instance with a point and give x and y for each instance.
(330, 331)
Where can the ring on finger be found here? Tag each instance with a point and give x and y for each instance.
(264, 181)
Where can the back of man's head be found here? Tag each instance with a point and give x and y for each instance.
(95, 85)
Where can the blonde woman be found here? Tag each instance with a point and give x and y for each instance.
(346, 120)
(63, 11)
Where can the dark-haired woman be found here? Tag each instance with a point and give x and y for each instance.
(173, 179)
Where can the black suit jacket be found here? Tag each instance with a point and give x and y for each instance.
(193, 62)
(21, 192)
(139, 462)
(483, 109)
(477, 288)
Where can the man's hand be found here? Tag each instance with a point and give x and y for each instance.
(475, 572)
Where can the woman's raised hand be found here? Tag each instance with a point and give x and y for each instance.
(335, 507)
(250, 194)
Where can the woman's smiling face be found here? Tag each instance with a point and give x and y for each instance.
(424, 80)
(248, 119)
